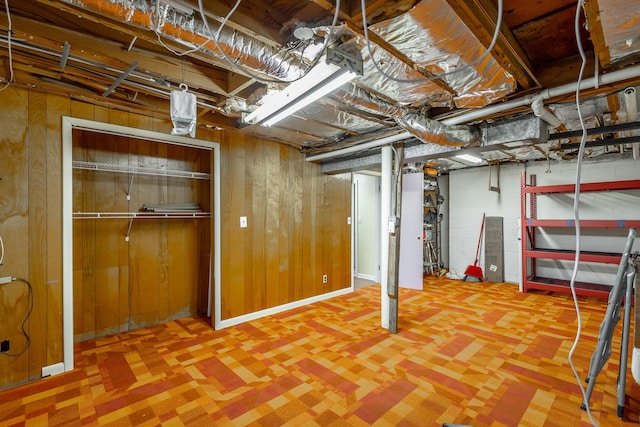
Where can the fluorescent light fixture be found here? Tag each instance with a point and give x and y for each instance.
(469, 158)
(328, 75)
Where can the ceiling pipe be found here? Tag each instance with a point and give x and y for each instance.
(539, 110)
(367, 145)
(609, 78)
(630, 103)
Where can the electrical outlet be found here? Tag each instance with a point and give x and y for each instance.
(325, 278)
(4, 346)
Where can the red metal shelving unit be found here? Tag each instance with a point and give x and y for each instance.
(530, 253)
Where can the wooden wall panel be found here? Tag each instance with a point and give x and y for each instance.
(57, 107)
(37, 137)
(83, 252)
(235, 293)
(105, 187)
(257, 174)
(272, 227)
(296, 287)
(14, 229)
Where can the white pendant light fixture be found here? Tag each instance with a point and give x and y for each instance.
(338, 67)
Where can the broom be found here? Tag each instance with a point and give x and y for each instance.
(473, 273)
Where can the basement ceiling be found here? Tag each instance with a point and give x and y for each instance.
(429, 79)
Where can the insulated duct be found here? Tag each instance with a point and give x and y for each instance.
(433, 132)
(185, 29)
(434, 38)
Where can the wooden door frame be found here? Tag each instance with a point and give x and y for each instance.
(68, 125)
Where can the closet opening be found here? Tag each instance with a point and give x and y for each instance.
(141, 229)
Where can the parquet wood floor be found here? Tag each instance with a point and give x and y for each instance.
(479, 354)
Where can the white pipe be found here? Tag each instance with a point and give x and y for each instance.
(360, 147)
(630, 101)
(613, 77)
(385, 212)
(540, 111)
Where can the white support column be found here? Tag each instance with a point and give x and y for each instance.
(385, 211)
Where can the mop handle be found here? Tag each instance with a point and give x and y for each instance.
(480, 238)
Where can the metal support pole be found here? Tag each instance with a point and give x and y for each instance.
(394, 240)
(385, 212)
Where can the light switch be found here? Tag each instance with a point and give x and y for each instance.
(243, 222)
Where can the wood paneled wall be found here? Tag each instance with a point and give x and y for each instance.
(297, 221)
(297, 226)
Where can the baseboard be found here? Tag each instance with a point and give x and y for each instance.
(274, 310)
(51, 370)
(366, 277)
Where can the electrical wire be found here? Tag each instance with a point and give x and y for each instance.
(24, 331)
(1, 250)
(576, 212)
(494, 39)
(9, 33)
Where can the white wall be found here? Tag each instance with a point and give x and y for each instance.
(366, 222)
(470, 197)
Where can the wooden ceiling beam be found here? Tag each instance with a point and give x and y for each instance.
(565, 71)
(356, 13)
(380, 10)
(344, 13)
(480, 17)
(596, 33)
(236, 83)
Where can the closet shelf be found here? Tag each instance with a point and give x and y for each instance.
(140, 215)
(139, 170)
